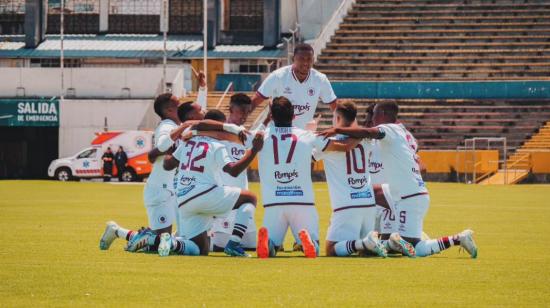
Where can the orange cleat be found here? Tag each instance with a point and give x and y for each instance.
(307, 244)
(262, 247)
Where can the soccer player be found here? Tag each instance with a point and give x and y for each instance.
(202, 195)
(353, 197)
(158, 194)
(287, 189)
(239, 108)
(303, 85)
(397, 147)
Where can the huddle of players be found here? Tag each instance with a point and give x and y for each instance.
(378, 197)
(362, 186)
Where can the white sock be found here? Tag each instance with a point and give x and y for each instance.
(244, 213)
(125, 233)
(346, 248)
(433, 246)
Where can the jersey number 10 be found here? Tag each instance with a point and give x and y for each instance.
(351, 159)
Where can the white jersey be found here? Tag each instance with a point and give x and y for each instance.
(347, 176)
(236, 152)
(400, 168)
(375, 163)
(200, 161)
(285, 165)
(162, 141)
(303, 95)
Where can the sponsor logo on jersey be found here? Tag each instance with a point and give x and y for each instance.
(289, 193)
(357, 183)
(186, 181)
(285, 177)
(237, 153)
(184, 191)
(375, 167)
(301, 109)
(361, 195)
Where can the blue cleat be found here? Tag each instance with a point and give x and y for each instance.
(234, 249)
(141, 240)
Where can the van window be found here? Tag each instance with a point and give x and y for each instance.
(87, 154)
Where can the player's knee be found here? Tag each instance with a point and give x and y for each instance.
(248, 197)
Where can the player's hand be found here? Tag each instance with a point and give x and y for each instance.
(243, 135)
(186, 135)
(328, 132)
(258, 142)
(189, 123)
(201, 78)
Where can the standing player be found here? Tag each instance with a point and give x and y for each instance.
(239, 109)
(287, 189)
(202, 195)
(303, 85)
(397, 147)
(353, 197)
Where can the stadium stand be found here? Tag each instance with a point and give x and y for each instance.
(441, 40)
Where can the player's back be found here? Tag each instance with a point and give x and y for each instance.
(401, 169)
(285, 165)
(236, 151)
(200, 162)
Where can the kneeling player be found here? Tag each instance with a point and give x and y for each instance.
(353, 198)
(201, 195)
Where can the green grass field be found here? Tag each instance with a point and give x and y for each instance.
(50, 255)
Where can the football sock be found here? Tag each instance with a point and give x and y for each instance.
(125, 233)
(430, 247)
(184, 247)
(346, 248)
(244, 213)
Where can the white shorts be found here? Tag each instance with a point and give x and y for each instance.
(196, 213)
(278, 218)
(378, 219)
(160, 204)
(225, 224)
(351, 224)
(220, 239)
(409, 219)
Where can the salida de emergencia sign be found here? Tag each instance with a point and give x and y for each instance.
(29, 112)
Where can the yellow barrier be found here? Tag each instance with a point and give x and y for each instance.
(444, 161)
(540, 161)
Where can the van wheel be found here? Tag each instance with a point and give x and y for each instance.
(63, 174)
(129, 175)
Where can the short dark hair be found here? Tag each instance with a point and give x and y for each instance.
(390, 109)
(184, 109)
(240, 99)
(161, 102)
(215, 114)
(302, 47)
(370, 108)
(282, 110)
(347, 109)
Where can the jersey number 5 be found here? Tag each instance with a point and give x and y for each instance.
(284, 137)
(191, 161)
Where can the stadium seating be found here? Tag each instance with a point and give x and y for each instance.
(444, 124)
(441, 40)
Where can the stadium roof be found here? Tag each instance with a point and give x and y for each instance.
(129, 46)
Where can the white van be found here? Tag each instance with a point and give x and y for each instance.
(87, 163)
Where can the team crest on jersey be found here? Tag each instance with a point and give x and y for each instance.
(162, 219)
(285, 177)
(311, 91)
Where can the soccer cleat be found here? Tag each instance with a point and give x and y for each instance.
(308, 246)
(397, 243)
(141, 240)
(165, 244)
(297, 247)
(234, 249)
(466, 238)
(262, 247)
(373, 244)
(109, 235)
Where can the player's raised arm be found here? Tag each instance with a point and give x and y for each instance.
(235, 168)
(354, 132)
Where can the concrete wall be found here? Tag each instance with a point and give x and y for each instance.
(92, 82)
(80, 119)
(313, 15)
